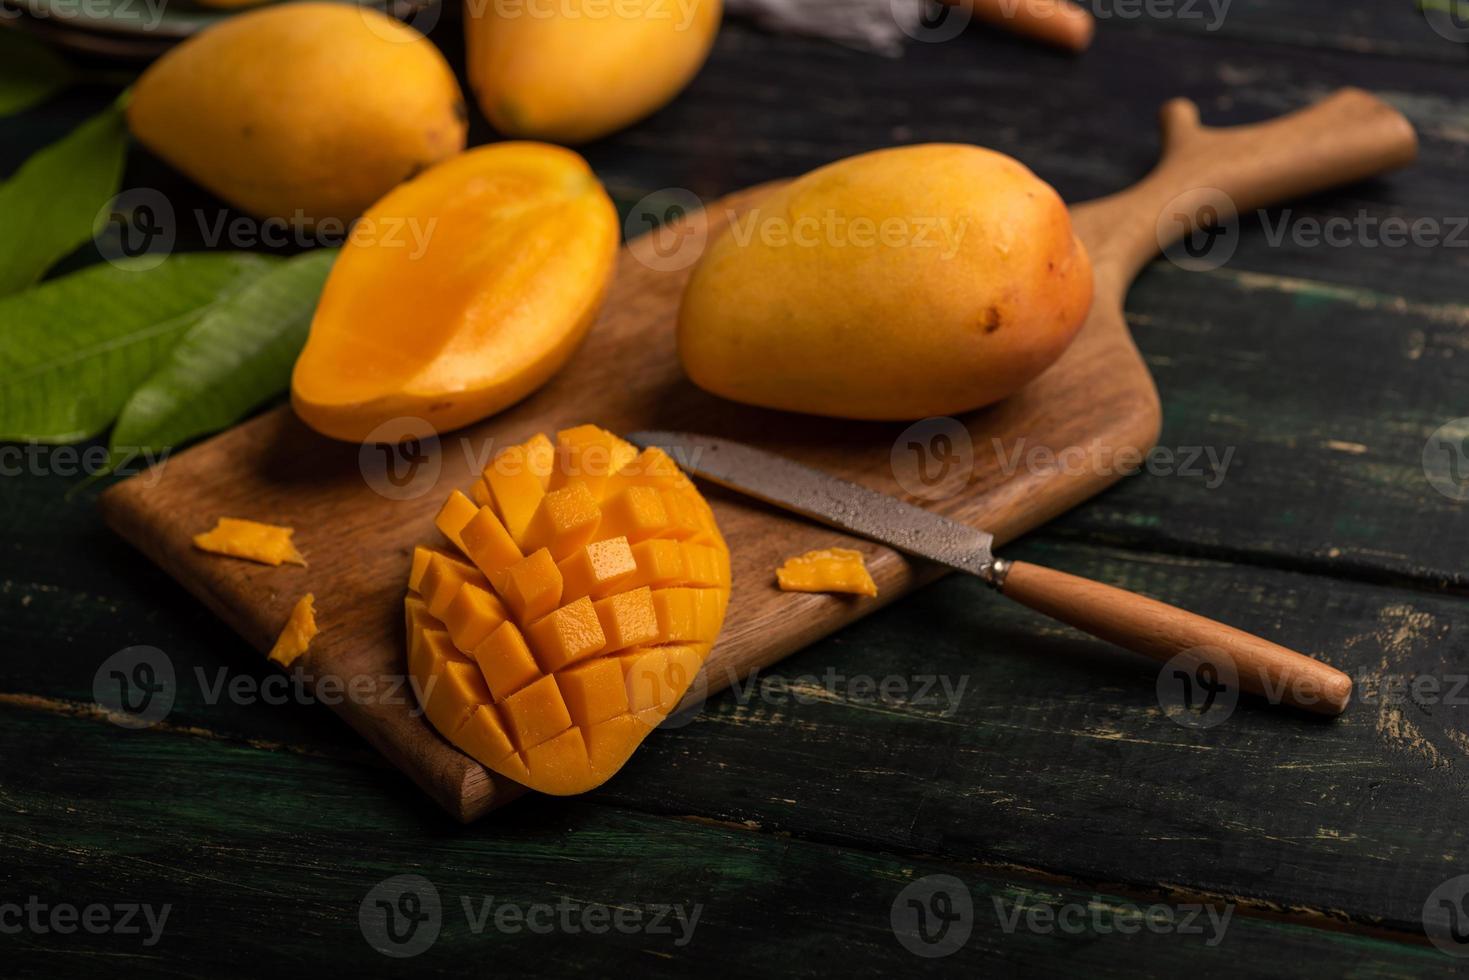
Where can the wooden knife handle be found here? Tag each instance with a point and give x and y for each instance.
(1161, 631)
(1059, 23)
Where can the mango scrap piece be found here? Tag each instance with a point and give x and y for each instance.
(298, 632)
(827, 570)
(551, 657)
(269, 544)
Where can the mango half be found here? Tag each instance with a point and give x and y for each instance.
(303, 111)
(575, 70)
(577, 605)
(898, 284)
(459, 293)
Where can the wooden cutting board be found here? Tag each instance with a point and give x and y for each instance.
(359, 511)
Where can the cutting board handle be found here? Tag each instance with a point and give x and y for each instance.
(1207, 175)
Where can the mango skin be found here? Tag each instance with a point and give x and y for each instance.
(301, 112)
(461, 291)
(575, 70)
(899, 284)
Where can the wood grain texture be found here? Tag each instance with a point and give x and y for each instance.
(1097, 399)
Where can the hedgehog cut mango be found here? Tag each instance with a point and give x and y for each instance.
(572, 612)
(459, 293)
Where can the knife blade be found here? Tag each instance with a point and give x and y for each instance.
(838, 503)
(1186, 642)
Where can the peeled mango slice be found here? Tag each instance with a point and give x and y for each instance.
(296, 636)
(269, 544)
(827, 570)
(471, 286)
(573, 611)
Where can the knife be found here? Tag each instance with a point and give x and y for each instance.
(1154, 629)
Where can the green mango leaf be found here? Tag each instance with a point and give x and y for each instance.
(48, 206)
(73, 349)
(237, 356)
(30, 72)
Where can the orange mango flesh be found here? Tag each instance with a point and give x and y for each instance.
(268, 544)
(473, 284)
(827, 570)
(546, 646)
(296, 636)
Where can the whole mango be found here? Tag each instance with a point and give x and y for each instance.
(898, 284)
(570, 71)
(303, 111)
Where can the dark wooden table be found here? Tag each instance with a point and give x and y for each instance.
(794, 814)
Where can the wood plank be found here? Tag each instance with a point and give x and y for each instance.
(243, 850)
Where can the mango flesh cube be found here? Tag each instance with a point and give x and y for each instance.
(660, 562)
(452, 517)
(566, 635)
(442, 579)
(532, 587)
(827, 570)
(596, 583)
(482, 735)
(596, 570)
(473, 615)
(593, 691)
(628, 619)
(589, 456)
(506, 662)
(636, 513)
(516, 488)
(298, 632)
(564, 521)
(535, 713)
(488, 544)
